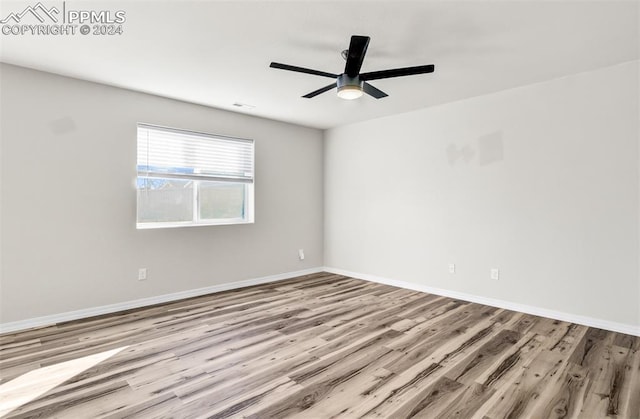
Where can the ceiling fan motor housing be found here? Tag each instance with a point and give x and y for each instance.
(349, 87)
(344, 80)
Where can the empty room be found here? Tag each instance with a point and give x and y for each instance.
(315, 209)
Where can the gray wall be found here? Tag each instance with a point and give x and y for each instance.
(68, 234)
(541, 182)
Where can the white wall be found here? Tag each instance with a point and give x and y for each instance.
(540, 181)
(557, 211)
(69, 240)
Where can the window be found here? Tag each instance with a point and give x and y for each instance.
(189, 178)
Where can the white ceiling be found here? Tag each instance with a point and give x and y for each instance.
(216, 53)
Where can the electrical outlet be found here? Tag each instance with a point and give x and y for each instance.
(301, 254)
(452, 268)
(142, 274)
(495, 273)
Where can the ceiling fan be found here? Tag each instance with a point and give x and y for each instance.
(351, 83)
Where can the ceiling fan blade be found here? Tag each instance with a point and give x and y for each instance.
(357, 50)
(321, 90)
(372, 91)
(302, 70)
(397, 72)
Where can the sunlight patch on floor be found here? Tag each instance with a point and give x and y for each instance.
(33, 384)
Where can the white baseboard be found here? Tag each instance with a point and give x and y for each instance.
(628, 329)
(127, 305)
(143, 302)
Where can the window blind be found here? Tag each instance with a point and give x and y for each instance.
(172, 153)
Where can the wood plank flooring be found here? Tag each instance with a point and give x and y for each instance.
(319, 346)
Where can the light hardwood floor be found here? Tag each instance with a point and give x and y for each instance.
(319, 346)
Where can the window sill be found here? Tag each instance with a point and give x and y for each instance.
(149, 226)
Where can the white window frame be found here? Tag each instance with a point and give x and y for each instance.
(197, 179)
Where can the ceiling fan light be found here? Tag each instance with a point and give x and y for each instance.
(349, 92)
